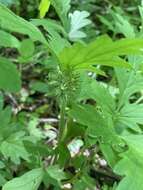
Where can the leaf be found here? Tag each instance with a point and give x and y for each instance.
(12, 22)
(49, 25)
(9, 76)
(99, 129)
(13, 148)
(85, 182)
(62, 8)
(102, 51)
(131, 164)
(130, 116)
(2, 180)
(5, 116)
(54, 175)
(129, 83)
(8, 40)
(29, 181)
(44, 7)
(9, 2)
(122, 25)
(98, 92)
(78, 20)
(34, 130)
(27, 48)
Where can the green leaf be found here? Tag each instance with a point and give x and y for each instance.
(85, 182)
(102, 51)
(9, 76)
(122, 25)
(131, 164)
(29, 181)
(12, 22)
(27, 48)
(129, 83)
(98, 92)
(130, 116)
(62, 8)
(49, 25)
(44, 7)
(78, 20)
(8, 40)
(2, 180)
(99, 129)
(13, 148)
(54, 175)
(40, 87)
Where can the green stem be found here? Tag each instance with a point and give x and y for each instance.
(62, 123)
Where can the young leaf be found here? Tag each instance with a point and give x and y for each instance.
(78, 20)
(12, 22)
(9, 76)
(29, 181)
(44, 7)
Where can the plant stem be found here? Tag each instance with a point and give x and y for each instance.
(62, 122)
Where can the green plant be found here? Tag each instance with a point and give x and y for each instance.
(102, 120)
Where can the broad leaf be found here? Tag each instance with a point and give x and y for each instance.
(12, 22)
(102, 51)
(99, 129)
(9, 76)
(27, 48)
(8, 40)
(29, 181)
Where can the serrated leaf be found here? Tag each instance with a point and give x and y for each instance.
(85, 182)
(44, 7)
(130, 116)
(99, 129)
(102, 51)
(78, 20)
(12, 22)
(29, 181)
(13, 148)
(8, 40)
(54, 175)
(129, 83)
(9, 76)
(131, 164)
(98, 92)
(122, 25)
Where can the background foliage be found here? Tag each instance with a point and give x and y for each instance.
(71, 99)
